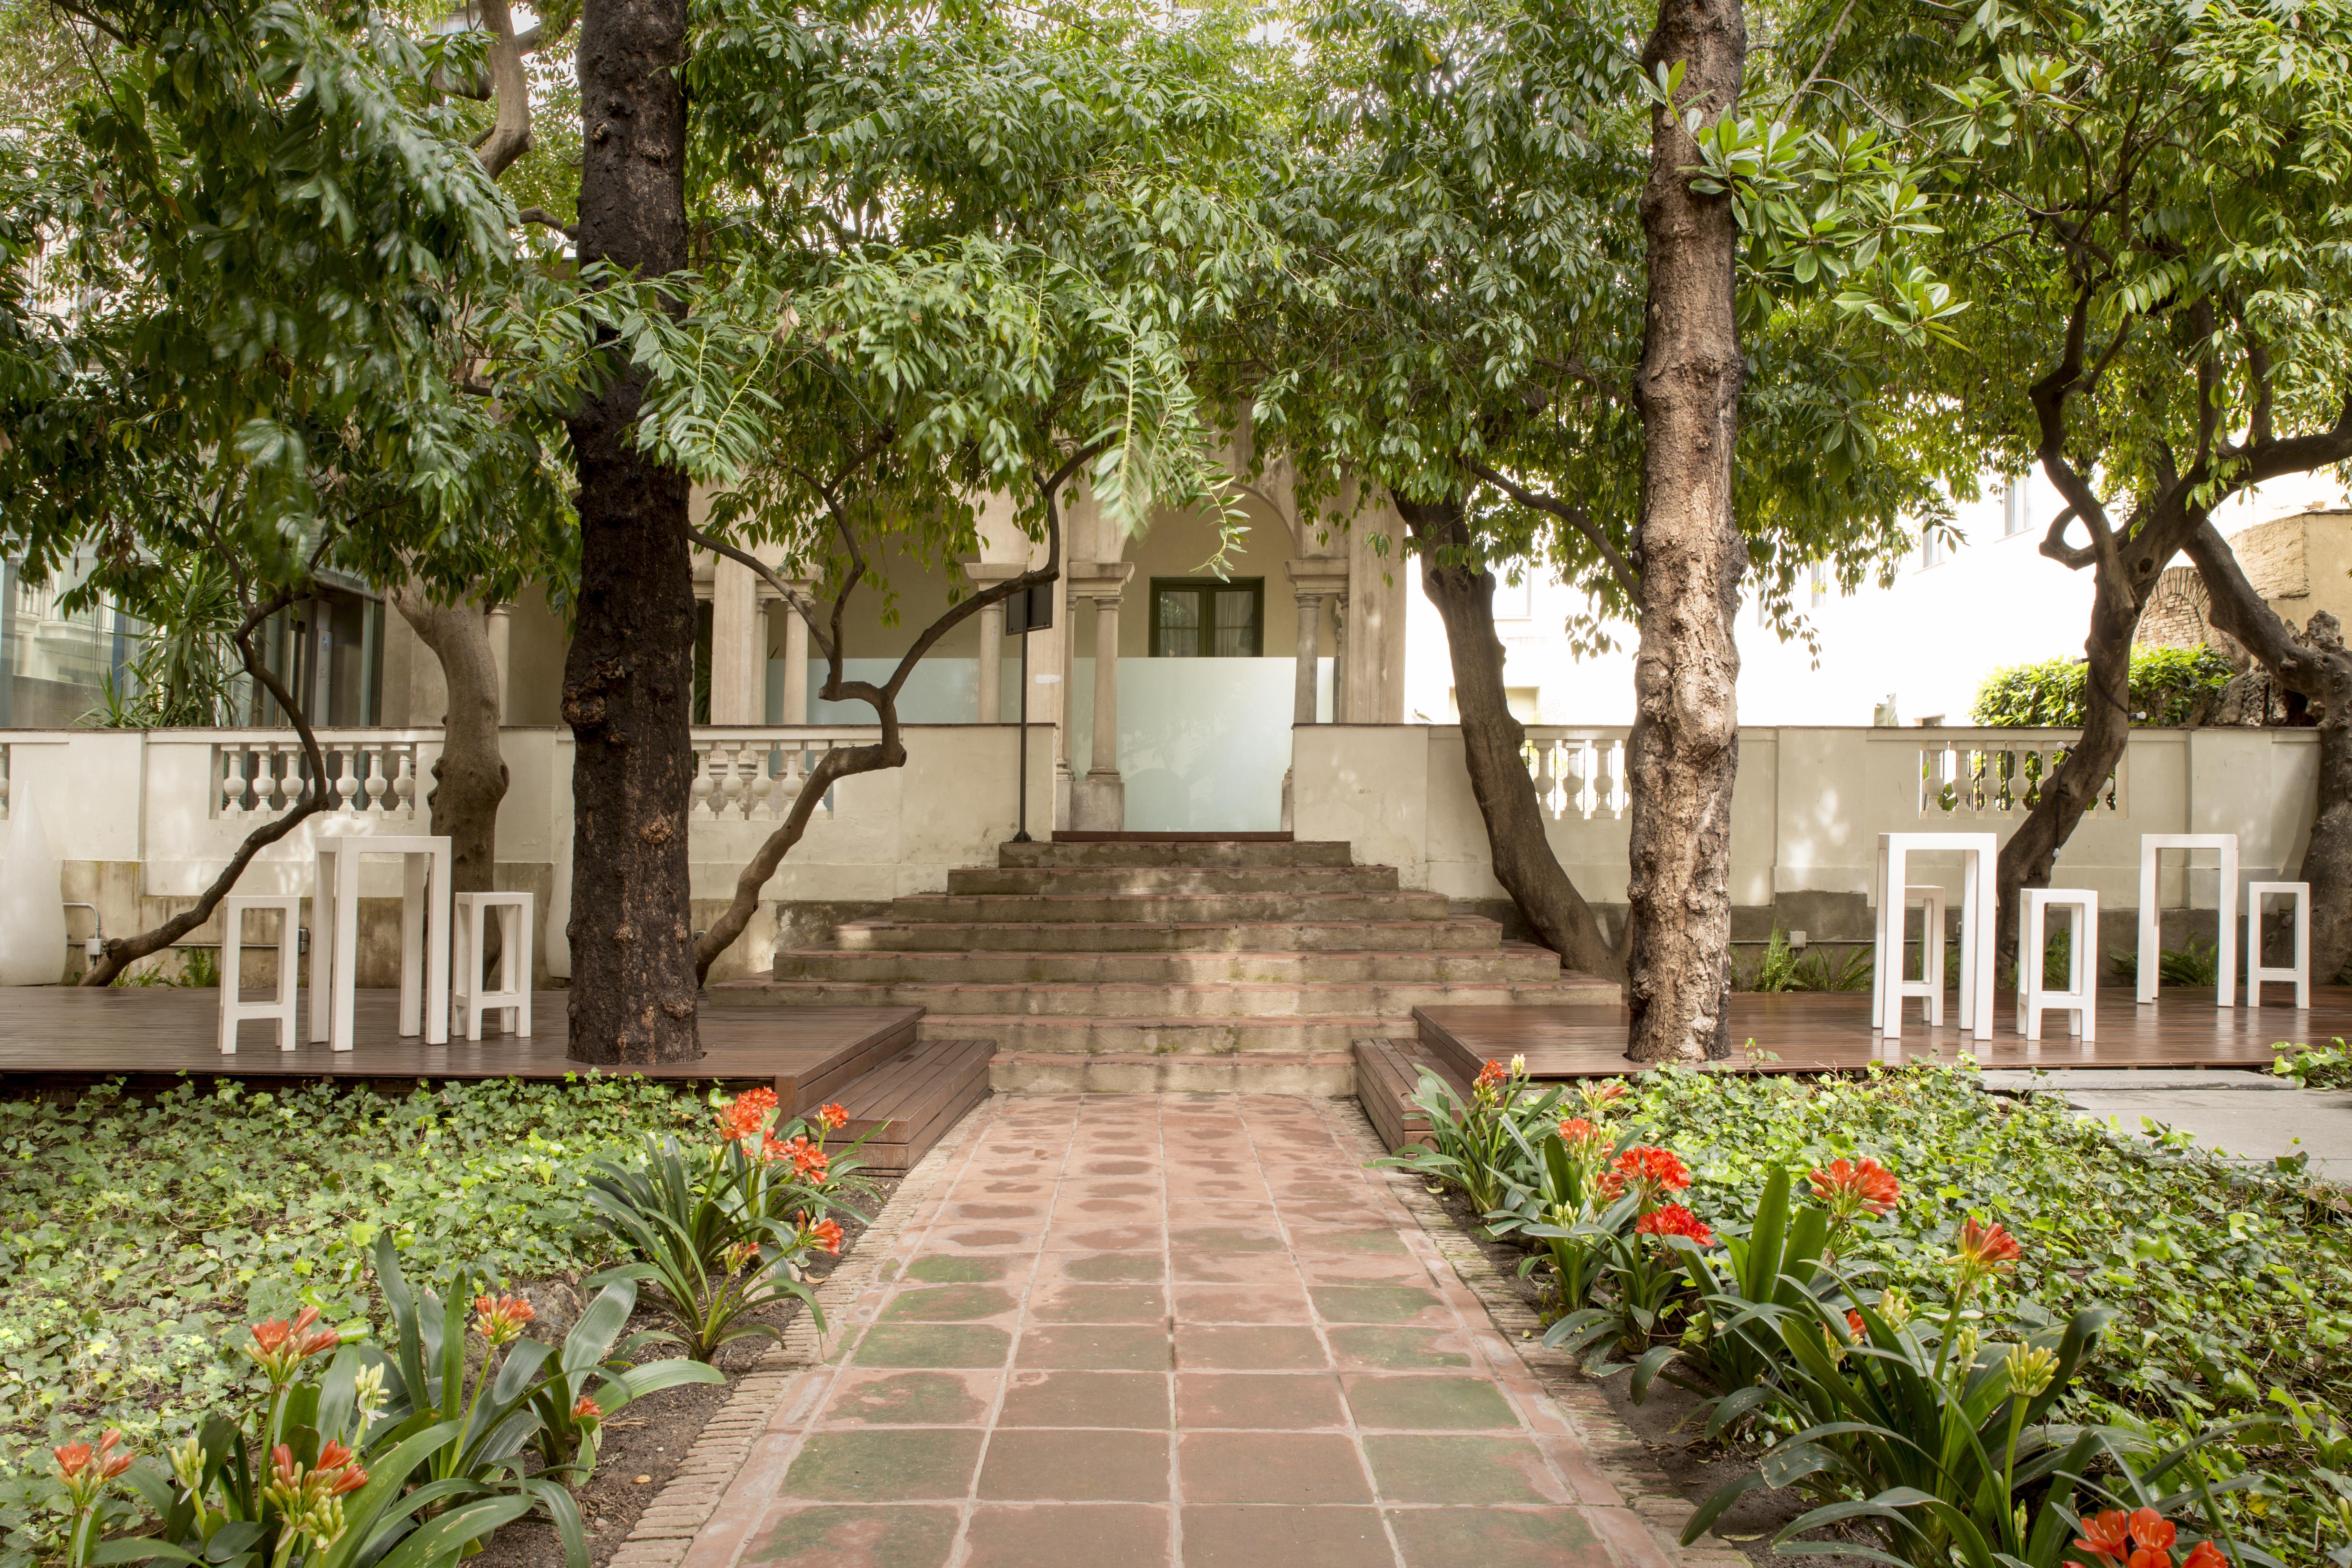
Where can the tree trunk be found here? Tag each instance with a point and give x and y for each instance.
(2316, 665)
(1685, 748)
(2032, 852)
(1491, 739)
(628, 680)
(470, 778)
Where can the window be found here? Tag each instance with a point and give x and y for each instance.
(1202, 617)
(1934, 549)
(2016, 509)
(1515, 601)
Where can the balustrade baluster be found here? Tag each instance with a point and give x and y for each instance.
(348, 785)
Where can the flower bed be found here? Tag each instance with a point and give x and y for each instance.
(140, 1243)
(1646, 1210)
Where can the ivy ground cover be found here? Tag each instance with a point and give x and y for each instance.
(137, 1240)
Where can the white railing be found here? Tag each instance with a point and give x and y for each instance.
(755, 774)
(1577, 770)
(1996, 777)
(370, 772)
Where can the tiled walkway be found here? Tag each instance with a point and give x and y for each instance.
(1154, 1330)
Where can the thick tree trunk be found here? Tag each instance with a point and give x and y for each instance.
(470, 778)
(1685, 747)
(1491, 739)
(2316, 665)
(2068, 796)
(628, 681)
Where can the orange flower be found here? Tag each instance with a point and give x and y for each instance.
(1673, 1219)
(500, 1318)
(1851, 1188)
(2153, 1533)
(746, 1114)
(833, 1117)
(84, 1470)
(1855, 1327)
(2205, 1554)
(809, 1161)
(1985, 1250)
(2104, 1534)
(281, 1465)
(279, 1346)
(335, 1472)
(1648, 1170)
(825, 1234)
(1601, 1096)
(1583, 1137)
(586, 1411)
(738, 1254)
(1490, 1076)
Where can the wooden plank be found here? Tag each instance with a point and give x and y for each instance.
(1813, 1032)
(909, 1104)
(814, 1086)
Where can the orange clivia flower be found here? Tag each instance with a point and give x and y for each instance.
(2152, 1532)
(1985, 1250)
(1651, 1171)
(1851, 1187)
(825, 1234)
(1855, 1327)
(281, 1465)
(809, 1161)
(1673, 1219)
(2105, 1534)
(833, 1117)
(1490, 1076)
(744, 1116)
(586, 1411)
(500, 1318)
(1601, 1096)
(72, 1459)
(2205, 1554)
(1583, 1137)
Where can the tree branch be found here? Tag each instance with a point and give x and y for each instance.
(1576, 517)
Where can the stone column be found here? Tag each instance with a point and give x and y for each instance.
(739, 652)
(1313, 581)
(501, 631)
(1098, 801)
(987, 574)
(796, 670)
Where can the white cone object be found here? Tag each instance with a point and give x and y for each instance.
(32, 904)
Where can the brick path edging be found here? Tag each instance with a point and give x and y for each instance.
(1616, 1452)
(667, 1527)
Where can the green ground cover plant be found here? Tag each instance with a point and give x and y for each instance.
(2216, 1363)
(138, 1241)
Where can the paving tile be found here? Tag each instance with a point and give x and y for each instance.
(1104, 1268)
(1098, 1348)
(1427, 1403)
(1048, 1465)
(939, 1269)
(1347, 1239)
(933, 1344)
(911, 1399)
(1083, 1303)
(1496, 1538)
(948, 1304)
(1272, 1400)
(1362, 1268)
(1399, 1349)
(1235, 1267)
(1379, 1304)
(1226, 1238)
(984, 1238)
(1089, 1237)
(825, 1536)
(1132, 1399)
(1461, 1470)
(907, 1464)
(1296, 1467)
(1290, 1537)
(1201, 1347)
(1242, 1304)
(1090, 1535)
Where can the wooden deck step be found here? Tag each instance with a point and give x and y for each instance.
(906, 1104)
(1387, 1074)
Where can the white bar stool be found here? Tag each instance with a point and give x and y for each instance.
(424, 934)
(2150, 844)
(1978, 853)
(2080, 1000)
(1929, 987)
(474, 912)
(2299, 973)
(234, 1009)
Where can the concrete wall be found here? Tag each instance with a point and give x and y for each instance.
(138, 821)
(1807, 811)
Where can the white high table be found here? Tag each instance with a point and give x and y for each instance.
(424, 934)
(1980, 855)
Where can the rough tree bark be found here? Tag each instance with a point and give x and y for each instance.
(1491, 739)
(470, 778)
(2317, 665)
(628, 680)
(1685, 747)
(890, 751)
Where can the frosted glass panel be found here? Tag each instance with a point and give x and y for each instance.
(1202, 742)
(939, 691)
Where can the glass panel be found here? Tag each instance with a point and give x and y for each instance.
(1179, 623)
(1236, 623)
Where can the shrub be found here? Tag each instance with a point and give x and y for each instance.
(2169, 686)
(1481, 1142)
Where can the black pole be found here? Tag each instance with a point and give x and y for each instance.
(1022, 836)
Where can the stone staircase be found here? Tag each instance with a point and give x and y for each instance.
(1140, 964)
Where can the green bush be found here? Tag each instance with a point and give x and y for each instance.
(135, 1241)
(2169, 686)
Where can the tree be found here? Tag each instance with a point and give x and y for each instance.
(1472, 334)
(263, 233)
(2157, 184)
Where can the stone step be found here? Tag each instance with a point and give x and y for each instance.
(1172, 880)
(1514, 961)
(1127, 909)
(1327, 1075)
(1160, 1036)
(1468, 934)
(1187, 852)
(984, 1003)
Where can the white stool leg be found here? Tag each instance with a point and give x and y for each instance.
(2302, 947)
(2077, 1019)
(1931, 956)
(345, 965)
(232, 962)
(437, 949)
(2029, 959)
(411, 945)
(322, 945)
(2148, 938)
(2228, 975)
(510, 949)
(465, 965)
(289, 949)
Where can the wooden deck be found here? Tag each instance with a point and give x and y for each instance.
(1811, 1032)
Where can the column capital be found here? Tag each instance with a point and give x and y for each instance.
(1102, 581)
(988, 573)
(1317, 579)
(768, 594)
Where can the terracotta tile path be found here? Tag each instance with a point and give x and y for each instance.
(1191, 1330)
